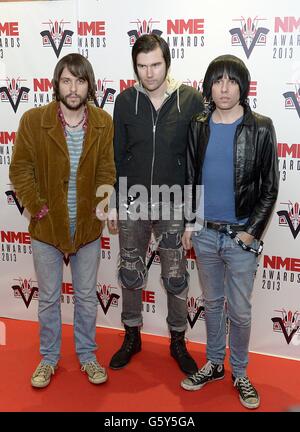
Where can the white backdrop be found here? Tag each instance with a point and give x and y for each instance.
(34, 35)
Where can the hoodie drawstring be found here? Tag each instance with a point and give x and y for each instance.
(136, 102)
(178, 102)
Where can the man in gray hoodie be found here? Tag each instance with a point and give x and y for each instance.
(151, 123)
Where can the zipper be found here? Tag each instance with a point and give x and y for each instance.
(154, 123)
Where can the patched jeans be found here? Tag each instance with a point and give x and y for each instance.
(226, 272)
(48, 263)
(134, 237)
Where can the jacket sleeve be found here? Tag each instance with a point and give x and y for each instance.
(191, 181)
(22, 171)
(269, 183)
(120, 142)
(106, 172)
(119, 135)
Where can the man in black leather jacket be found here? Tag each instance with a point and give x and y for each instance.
(232, 155)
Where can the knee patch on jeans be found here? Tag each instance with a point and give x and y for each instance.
(132, 270)
(170, 240)
(176, 285)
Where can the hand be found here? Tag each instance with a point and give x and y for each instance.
(187, 239)
(112, 221)
(245, 237)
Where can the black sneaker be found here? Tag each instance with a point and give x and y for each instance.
(248, 394)
(209, 372)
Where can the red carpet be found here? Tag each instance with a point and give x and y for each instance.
(151, 382)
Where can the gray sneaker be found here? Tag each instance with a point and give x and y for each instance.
(209, 372)
(42, 375)
(95, 372)
(248, 394)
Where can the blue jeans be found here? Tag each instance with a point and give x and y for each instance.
(226, 271)
(48, 263)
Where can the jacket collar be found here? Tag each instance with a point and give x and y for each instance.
(248, 118)
(51, 122)
(50, 118)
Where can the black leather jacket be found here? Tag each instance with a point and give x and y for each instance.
(255, 164)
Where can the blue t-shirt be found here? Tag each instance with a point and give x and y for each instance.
(218, 173)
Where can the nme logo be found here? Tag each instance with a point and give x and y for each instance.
(292, 98)
(290, 217)
(289, 158)
(14, 92)
(7, 137)
(105, 93)
(15, 237)
(288, 323)
(106, 297)
(94, 28)
(142, 27)
(249, 34)
(286, 24)
(278, 263)
(9, 29)
(57, 36)
(124, 84)
(284, 150)
(42, 88)
(195, 310)
(25, 289)
(191, 26)
(42, 85)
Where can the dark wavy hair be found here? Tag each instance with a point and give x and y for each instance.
(147, 43)
(80, 67)
(231, 66)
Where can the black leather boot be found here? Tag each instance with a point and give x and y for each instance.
(131, 345)
(178, 350)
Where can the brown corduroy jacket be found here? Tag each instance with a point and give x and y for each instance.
(40, 171)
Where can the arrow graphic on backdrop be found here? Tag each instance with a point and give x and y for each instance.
(288, 338)
(238, 31)
(66, 33)
(26, 301)
(294, 231)
(193, 321)
(14, 196)
(292, 96)
(108, 92)
(111, 298)
(20, 94)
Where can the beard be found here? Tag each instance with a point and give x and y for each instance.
(76, 106)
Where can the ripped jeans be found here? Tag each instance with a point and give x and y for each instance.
(134, 237)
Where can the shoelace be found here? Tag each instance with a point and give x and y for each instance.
(95, 367)
(205, 371)
(128, 342)
(43, 370)
(246, 386)
(180, 347)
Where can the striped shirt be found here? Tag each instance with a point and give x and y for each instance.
(74, 143)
